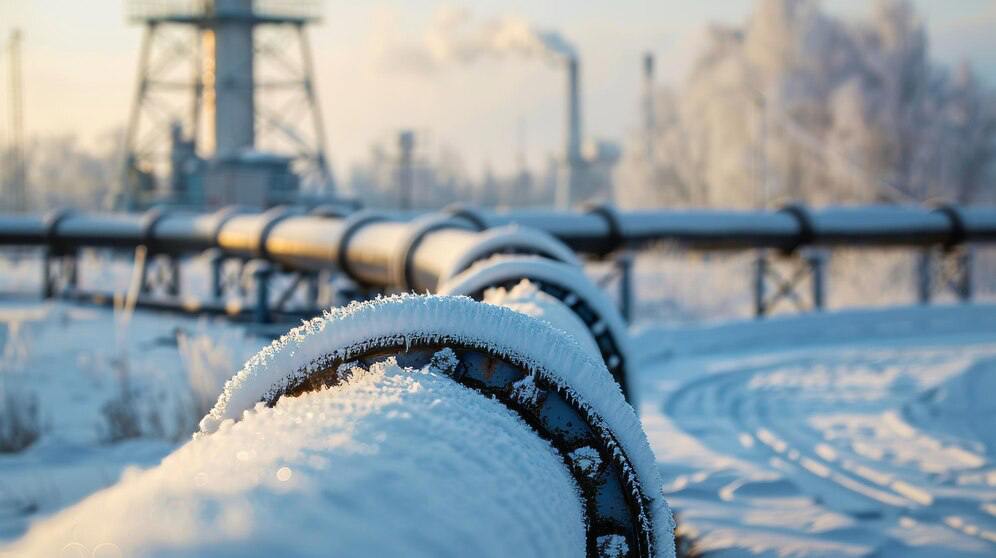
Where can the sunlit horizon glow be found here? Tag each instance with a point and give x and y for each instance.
(80, 63)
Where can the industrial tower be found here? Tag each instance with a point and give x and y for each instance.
(225, 95)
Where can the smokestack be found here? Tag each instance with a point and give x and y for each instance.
(649, 118)
(569, 187)
(406, 148)
(573, 153)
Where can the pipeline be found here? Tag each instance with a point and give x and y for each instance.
(567, 391)
(317, 239)
(374, 250)
(466, 251)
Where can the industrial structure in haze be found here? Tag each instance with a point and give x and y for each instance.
(225, 109)
(587, 166)
(15, 177)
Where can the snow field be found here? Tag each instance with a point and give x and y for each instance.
(855, 434)
(108, 395)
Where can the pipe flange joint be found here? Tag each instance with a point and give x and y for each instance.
(473, 216)
(958, 231)
(586, 422)
(613, 220)
(804, 218)
(221, 217)
(50, 222)
(150, 219)
(272, 217)
(351, 226)
(404, 272)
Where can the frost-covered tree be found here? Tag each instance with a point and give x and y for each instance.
(797, 104)
(62, 172)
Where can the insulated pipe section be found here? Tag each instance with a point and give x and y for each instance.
(870, 226)
(19, 229)
(412, 425)
(194, 232)
(421, 254)
(306, 242)
(247, 235)
(979, 223)
(111, 230)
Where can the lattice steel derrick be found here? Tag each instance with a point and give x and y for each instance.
(233, 77)
(168, 93)
(288, 116)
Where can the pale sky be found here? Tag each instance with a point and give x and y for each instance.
(80, 59)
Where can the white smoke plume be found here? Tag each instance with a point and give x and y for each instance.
(456, 36)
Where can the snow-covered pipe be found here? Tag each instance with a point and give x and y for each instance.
(567, 284)
(411, 425)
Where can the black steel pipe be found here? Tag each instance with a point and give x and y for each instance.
(860, 226)
(311, 241)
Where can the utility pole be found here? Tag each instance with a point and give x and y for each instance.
(649, 115)
(406, 175)
(762, 193)
(16, 182)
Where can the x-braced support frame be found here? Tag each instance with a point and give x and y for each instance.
(945, 269)
(60, 273)
(782, 277)
(161, 274)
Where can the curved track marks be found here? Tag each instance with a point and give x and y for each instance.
(872, 443)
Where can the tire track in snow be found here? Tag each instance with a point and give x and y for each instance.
(811, 430)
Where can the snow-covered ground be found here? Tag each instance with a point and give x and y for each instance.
(861, 433)
(102, 391)
(858, 432)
